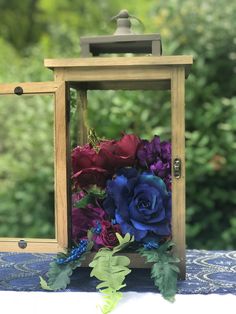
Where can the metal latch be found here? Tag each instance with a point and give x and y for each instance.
(177, 168)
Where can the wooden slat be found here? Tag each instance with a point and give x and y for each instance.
(39, 240)
(33, 245)
(178, 151)
(122, 85)
(82, 116)
(30, 88)
(59, 74)
(61, 162)
(118, 61)
(116, 74)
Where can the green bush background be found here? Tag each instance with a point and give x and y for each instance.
(32, 30)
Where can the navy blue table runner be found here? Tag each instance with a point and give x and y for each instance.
(207, 272)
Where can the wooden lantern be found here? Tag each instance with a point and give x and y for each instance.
(140, 73)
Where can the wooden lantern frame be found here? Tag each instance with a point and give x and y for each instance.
(139, 73)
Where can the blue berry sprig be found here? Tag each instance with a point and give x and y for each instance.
(150, 245)
(97, 229)
(75, 253)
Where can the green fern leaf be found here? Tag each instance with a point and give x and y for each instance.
(111, 270)
(123, 242)
(150, 255)
(165, 278)
(164, 270)
(111, 299)
(44, 285)
(59, 275)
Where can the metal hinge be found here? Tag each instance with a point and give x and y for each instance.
(177, 168)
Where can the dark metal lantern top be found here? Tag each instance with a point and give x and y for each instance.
(124, 23)
(123, 41)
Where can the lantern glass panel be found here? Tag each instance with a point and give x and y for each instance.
(113, 112)
(145, 113)
(27, 166)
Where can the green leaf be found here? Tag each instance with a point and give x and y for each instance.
(123, 242)
(92, 195)
(164, 270)
(87, 199)
(90, 236)
(59, 275)
(97, 192)
(111, 270)
(44, 285)
(150, 255)
(165, 278)
(111, 299)
(120, 260)
(93, 139)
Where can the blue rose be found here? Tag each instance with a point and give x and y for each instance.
(140, 203)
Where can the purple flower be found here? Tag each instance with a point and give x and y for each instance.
(140, 204)
(84, 219)
(156, 157)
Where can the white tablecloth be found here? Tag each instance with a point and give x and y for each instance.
(132, 303)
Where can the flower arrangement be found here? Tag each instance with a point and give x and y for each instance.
(121, 201)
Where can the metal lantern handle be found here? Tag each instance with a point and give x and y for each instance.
(124, 23)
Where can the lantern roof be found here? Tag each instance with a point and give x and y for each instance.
(124, 40)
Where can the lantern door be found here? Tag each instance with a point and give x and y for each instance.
(34, 168)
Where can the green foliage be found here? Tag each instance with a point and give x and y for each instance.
(203, 29)
(164, 270)
(44, 285)
(59, 274)
(92, 195)
(111, 299)
(111, 270)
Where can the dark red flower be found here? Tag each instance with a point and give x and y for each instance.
(95, 167)
(91, 176)
(107, 235)
(120, 153)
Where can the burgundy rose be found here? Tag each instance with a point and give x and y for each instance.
(91, 176)
(95, 167)
(88, 167)
(120, 153)
(106, 235)
(83, 218)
